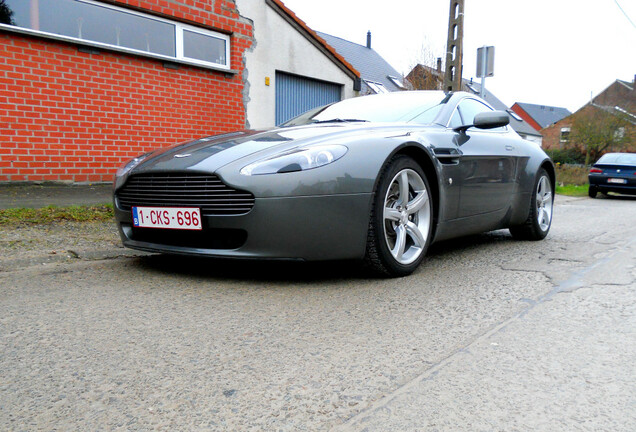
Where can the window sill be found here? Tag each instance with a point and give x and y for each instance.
(96, 48)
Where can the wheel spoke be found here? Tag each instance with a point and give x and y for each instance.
(403, 182)
(400, 242)
(417, 203)
(546, 198)
(416, 234)
(391, 214)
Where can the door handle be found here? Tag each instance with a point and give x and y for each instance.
(509, 147)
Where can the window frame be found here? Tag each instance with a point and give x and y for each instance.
(396, 81)
(565, 138)
(377, 87)
(179, 28)
(502, 129)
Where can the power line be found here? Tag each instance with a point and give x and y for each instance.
(625, 13)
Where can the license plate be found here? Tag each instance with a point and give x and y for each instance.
(616, 181)
(186, 218)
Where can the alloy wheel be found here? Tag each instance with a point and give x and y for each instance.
(544, 203)
(407, 216)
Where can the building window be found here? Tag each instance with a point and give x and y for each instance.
(377, 87)
(619, 133)
(396, 81)
(565, 135)
(101, 25)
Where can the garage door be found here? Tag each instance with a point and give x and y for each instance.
(296, 94)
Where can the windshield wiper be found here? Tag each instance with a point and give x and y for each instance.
(339, 120)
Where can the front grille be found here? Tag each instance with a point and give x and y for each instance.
(205, 191)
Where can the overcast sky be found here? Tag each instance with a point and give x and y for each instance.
(547, 52)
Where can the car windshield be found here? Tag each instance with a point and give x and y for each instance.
(416, 106)
(618, 159)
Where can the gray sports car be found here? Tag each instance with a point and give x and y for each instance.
(375, 178)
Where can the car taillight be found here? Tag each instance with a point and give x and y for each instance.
(596, 171)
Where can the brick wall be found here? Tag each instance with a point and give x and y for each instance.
(66, 115)
(618, 94)
(552, 134)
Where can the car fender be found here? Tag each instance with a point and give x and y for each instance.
(528, 170)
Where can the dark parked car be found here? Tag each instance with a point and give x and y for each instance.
(375, 178)
(614, 172)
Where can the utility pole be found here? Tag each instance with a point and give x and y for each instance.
(454, 52)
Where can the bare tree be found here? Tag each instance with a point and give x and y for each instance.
(426, 72)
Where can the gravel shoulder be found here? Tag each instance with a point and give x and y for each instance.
(31, 245)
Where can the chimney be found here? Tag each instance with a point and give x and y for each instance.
(369, 39)
(439, 64)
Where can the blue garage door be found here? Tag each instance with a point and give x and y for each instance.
(295, 95)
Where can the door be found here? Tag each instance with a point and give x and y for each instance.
(487, 166)
(296, 95)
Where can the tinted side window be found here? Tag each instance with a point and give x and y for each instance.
(469, 108)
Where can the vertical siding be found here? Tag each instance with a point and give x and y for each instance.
(295, 95)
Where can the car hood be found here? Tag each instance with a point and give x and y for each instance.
(211, 153)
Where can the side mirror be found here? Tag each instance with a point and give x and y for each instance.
(491, 120)
(486, 120)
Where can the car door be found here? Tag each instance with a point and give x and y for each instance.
(487, 167)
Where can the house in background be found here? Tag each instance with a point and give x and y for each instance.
(618, 99)
(424, 77)
(539, 116)
(377, 75)
(290, 69)
(89, 85)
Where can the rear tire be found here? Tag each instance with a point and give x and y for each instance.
(592, 191)
(401, 220)
(539, 219)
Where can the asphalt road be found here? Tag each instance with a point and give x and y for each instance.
(489, 334)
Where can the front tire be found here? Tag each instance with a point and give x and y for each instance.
(539, 219)
(401, 221)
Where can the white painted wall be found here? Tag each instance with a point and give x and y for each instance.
(535, 139)
(280, 47)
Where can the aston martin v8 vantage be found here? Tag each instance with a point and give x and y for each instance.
(374, 178)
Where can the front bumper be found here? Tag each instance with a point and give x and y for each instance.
(308, 228)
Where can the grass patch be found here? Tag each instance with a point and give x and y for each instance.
(49, 214)
(571, 180)
(571, 175)
(572, 190)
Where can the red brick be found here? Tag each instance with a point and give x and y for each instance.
(89, 113)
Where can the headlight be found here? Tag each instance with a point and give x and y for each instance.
(299, 159)
(131, 164)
